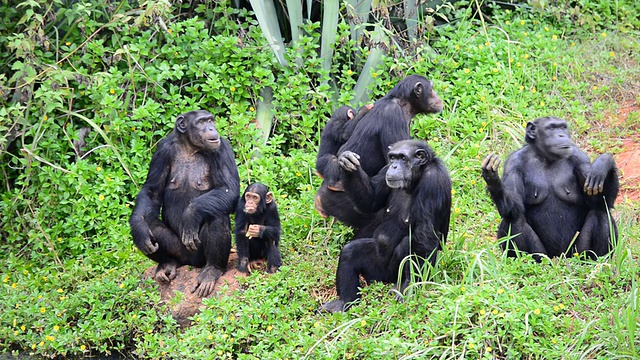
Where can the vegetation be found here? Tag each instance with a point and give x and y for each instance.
(71, 284)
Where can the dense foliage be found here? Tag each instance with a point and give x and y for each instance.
(88, 89)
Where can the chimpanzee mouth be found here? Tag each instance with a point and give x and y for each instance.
(213, 141)
(395, 183)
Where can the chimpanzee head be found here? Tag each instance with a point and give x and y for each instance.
(200, 130)
(256, 198)
(550, 137)
(407, 159)
(418, 91)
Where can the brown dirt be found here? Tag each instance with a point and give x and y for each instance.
(628, 159)
(188, 303)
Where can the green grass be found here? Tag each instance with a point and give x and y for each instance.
(72, 283)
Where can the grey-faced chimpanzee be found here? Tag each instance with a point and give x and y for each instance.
(335, 133)
(551, 194)
(258, 228)
(384, 125)
(193, 178)
(413, 195)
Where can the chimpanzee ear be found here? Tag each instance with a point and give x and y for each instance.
(269, 197)
(418, 89)
(181, 124)
(350, 114)
(422, 156)
(531, 132)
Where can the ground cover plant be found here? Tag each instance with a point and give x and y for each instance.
(72, 281)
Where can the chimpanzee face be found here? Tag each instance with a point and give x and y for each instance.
(256, 198)
(405, 162)
(550, 136)
(200, 128)
(429, 101)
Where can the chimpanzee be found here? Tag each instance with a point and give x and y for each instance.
(385, 124)
(258, 228)
(551, 198)
(413, 195)
(335, 133)
(193, 177)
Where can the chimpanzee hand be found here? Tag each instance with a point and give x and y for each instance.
(147, 245)
(190, 237)
(594, 182)
(254, 231)
(490, 166)
(349, 161)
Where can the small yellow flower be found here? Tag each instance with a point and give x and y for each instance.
(43, 310)
(546, 28)
(573, 44)
(525, 33)
(101, 197)
(604, 34)
(233, 88)
(510, 60)
(45, 118)
(252, 109)
(457, 210)
(363, 322)
(466, 71)
(269, 328)
(98, 169)
(482, 98)
(542, 103)
(556, 308)
(508, 22)
(480, 47)
(41, 343)
(5, 278)
(210, 337)
(220, 352)
(126, 205)
(457, 47)
(453, 191)
(554, 37)
(536, 311)
(518, 64)
(521, 22)
(595, 87)
(554, 78)
(56, 328)
(112, 91)
(68, 43)
(488, 349)
(468, 81)
(462, 288)
(500, 291)
(561, 306)
(170, 31)
(374, 74)
(494, 312)
(471, 345)
(486, 44)
(23, 328)
(122, 286)
(473, 182)
(33, 346)
(612, 54)
(26, 272)
(534, 90)
(455, 63)
(526, 56)
(83, 348)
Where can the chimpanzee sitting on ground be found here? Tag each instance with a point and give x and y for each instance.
(415, 191)
(335, 133)
(193, 178)
(384, 125)
(552, 199)
(258, 228)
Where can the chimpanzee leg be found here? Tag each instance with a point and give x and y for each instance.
(171, 252)
(273, 257)
(360, 256)
(215, 237)
(523, 238)
(595, 235)
(339, 205)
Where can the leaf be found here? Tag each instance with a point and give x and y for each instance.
(267, 18)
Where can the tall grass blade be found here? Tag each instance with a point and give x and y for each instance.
(329, 31)
(265, 12)
(294, 10)
(366, 76)
(264, 113)
(359, 10)
(411, 18)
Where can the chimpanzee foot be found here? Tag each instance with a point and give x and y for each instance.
(318, 205)
(206, 280)
(272, 269)
(166, 272)
(333, 306)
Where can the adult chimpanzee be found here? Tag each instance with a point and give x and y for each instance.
(335, 133)
(551, 196)
(414, 193)
(385, 124)
(258, 228)
(194, 179)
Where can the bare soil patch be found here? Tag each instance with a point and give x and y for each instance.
(628, 159)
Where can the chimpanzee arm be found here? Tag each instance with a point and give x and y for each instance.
(600, 179)
(270, 230)
(369, 194)
(149, 200)
(222, 199)
(508, 193)
(431, 212)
